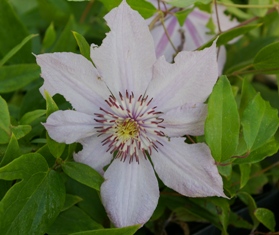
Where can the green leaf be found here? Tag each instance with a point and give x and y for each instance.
(33, 203)
(12, 32)
(260, 12)
(14, 77)
(145, 8)
(5, 131)
(70, 200)
(198, 207)
(226, 170)
(257, 181)
(83, 174)
(12, 152)
(91, 203)
(50, 104)
(21, 130)
(13, 51)
(186, 3)
(238, 222)
(182, 15)
(247, 94)
(268, 149)
(110, 4)
(55, 148)
(245, 170)
(222, 122)
(50, 36)
(223, 209)
(250, 202)
(83, 45)
(229, 35)
(71, 221)
(30, 117)
(112, 231)
(260, 122)
(266, 217)
(56, 11)
(66, 41)
(267, 58)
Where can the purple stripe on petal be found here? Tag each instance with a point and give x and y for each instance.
(200, 15)
(193, 33)
(164, 41)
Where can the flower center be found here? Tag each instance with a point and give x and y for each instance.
(127, 129)
(132, 126)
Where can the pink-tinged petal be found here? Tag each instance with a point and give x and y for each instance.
(130, 192)
(70, 126)
(188, 168)
(161, 40)
(196, 32)
(189, 80)
(185, 120)
(225, 20)
(94, 154)
(127, 54)
(74, 77)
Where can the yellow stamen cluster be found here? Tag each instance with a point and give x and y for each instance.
(127, 129)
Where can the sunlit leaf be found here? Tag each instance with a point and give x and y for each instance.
(83, 45)
(222, 122)
(260, 122)
(244, 173)
(186, 3)
(21, 130)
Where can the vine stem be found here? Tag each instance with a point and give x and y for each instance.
(217, 16)
(265, 169)
(244, 6)
(86, 11)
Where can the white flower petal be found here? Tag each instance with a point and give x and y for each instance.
(185, 120)
(130, 192)
(189, 80)
(127, 54)
(222, 57)
(188, 168)
(94, 154)
(74, 77)
(70, 126)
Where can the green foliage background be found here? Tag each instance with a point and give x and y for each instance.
(42, 191)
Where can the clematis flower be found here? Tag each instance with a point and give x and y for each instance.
(193, 34)
(130, 112)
